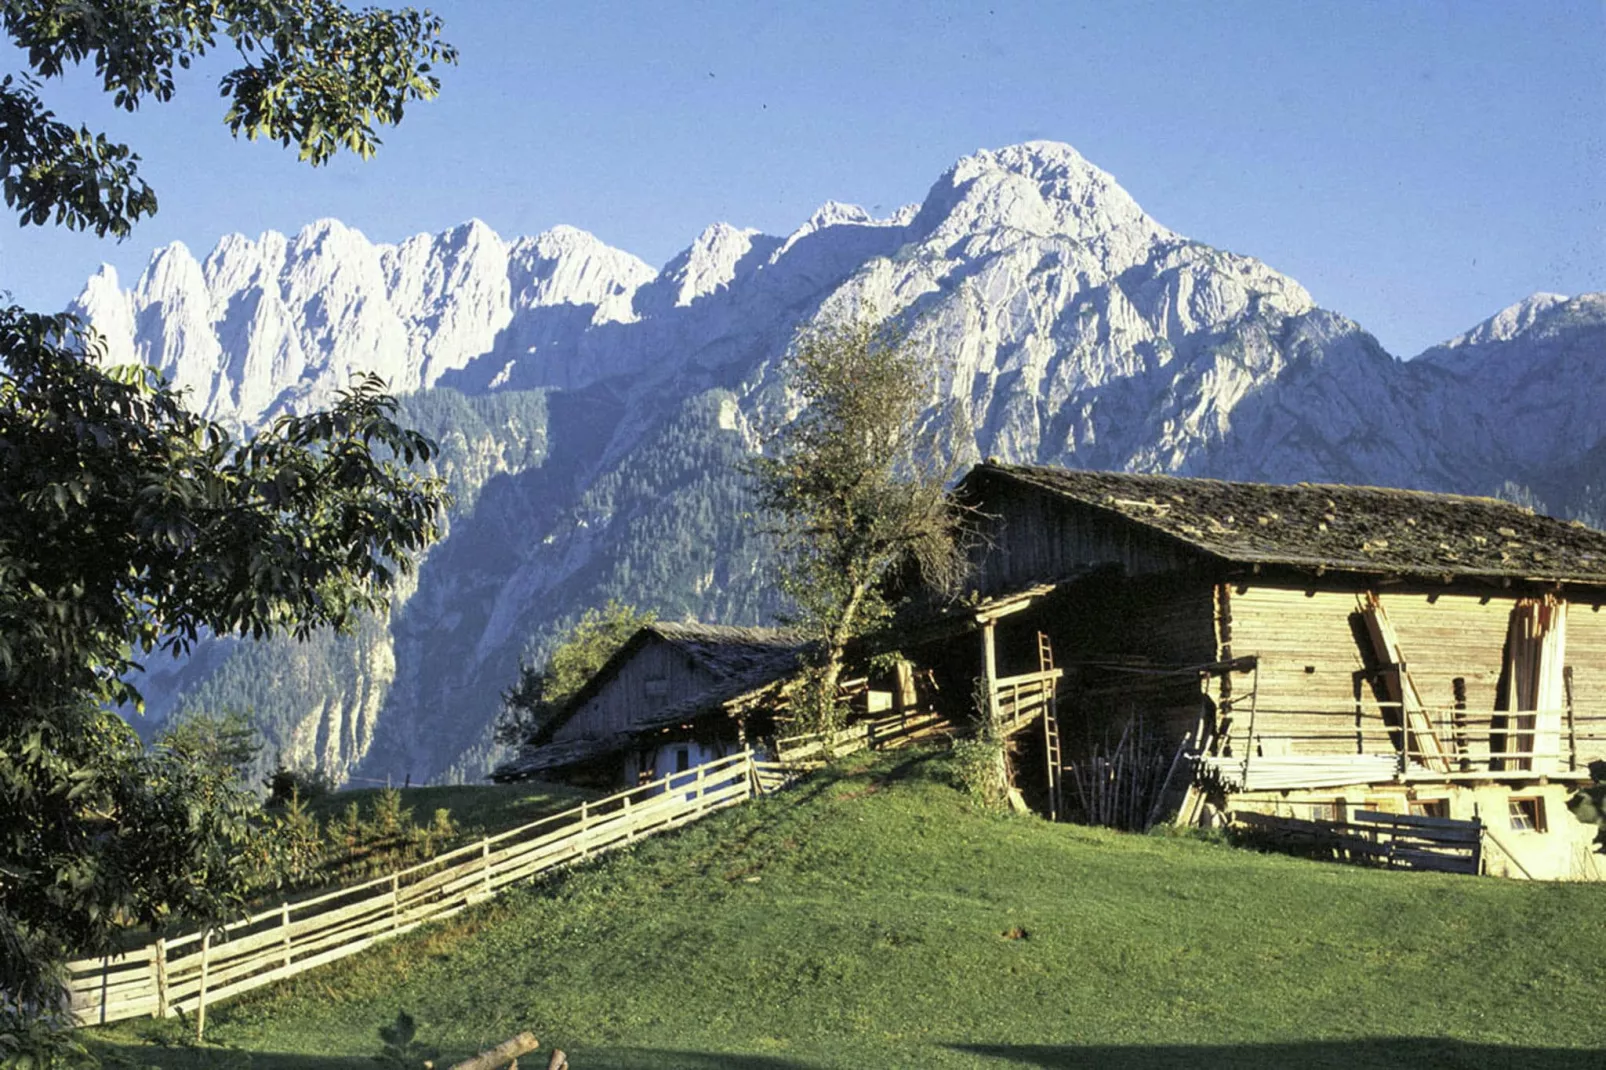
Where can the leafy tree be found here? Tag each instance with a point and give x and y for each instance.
(225, 740)
(531, 704)
(316, 74)
(858, 489)
(288, 783)
(128, 524)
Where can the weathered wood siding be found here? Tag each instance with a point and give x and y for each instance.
(1310, 659)
(658, 676)
(1586, 653)
(1031, 536)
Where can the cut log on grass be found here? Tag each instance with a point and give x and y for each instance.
(502, 1054)
(559, 1061)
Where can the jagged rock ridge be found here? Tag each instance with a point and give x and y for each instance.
(1062, 322)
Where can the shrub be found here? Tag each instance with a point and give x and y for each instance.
(978, 770)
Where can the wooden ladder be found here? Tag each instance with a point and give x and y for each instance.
(1051, 732)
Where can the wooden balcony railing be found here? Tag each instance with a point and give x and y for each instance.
(1424, 742)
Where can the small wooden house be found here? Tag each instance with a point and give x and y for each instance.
(1306, 650)
(674, 696)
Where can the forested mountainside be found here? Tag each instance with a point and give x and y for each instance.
(594, 412)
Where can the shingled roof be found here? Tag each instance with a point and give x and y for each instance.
(1334, 526)
(731, 652)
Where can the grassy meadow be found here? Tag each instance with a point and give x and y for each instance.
(872, 917)
(475, 810)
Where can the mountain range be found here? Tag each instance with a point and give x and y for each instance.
(594, 412)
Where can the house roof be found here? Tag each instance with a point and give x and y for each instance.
(744, 662)
(731, 652)
(744, 657)
(1333, 526)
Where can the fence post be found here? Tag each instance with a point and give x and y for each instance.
(284, 923)
(200, 997)
(159, 967)
(700, 787)
(630, 824)
(585, 823)
(485, 863)
(395, 902)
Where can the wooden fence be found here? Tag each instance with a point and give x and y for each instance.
(1023, 699)
(189, 972)
(1371, 837)
(813, 748)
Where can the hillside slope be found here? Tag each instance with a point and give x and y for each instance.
(872, 917)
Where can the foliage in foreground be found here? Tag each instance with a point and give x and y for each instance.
(874, 916)
(127, 522)
(315, 74)
(129, 525)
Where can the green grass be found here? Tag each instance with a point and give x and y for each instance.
(872, 918)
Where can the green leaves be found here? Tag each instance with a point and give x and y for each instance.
(856, 488)
(51, 172)
(128, 523)
(316, 75)
(133, 523)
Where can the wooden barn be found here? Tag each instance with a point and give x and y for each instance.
(674, 696)
(1309, 651)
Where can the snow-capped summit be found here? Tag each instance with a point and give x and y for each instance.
(711, 263)
(570, 266)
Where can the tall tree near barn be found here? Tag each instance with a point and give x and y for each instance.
(857, 487)
(128, 525)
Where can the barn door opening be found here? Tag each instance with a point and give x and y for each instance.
(1532, 685)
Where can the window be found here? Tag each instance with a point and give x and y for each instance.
(682, 759)
(1430, 807)
(1527, 815)
(1331, 810)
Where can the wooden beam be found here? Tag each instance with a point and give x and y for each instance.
(989, 661)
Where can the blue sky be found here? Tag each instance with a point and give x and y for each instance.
(1416, 166)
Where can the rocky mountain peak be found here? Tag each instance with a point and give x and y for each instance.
(1537, 313)
(714, 260)
(1040, 188)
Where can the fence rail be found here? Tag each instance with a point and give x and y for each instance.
(189, 972)
(814, 747)
(1438, 740)
(1024, 698)
(1372, 837)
